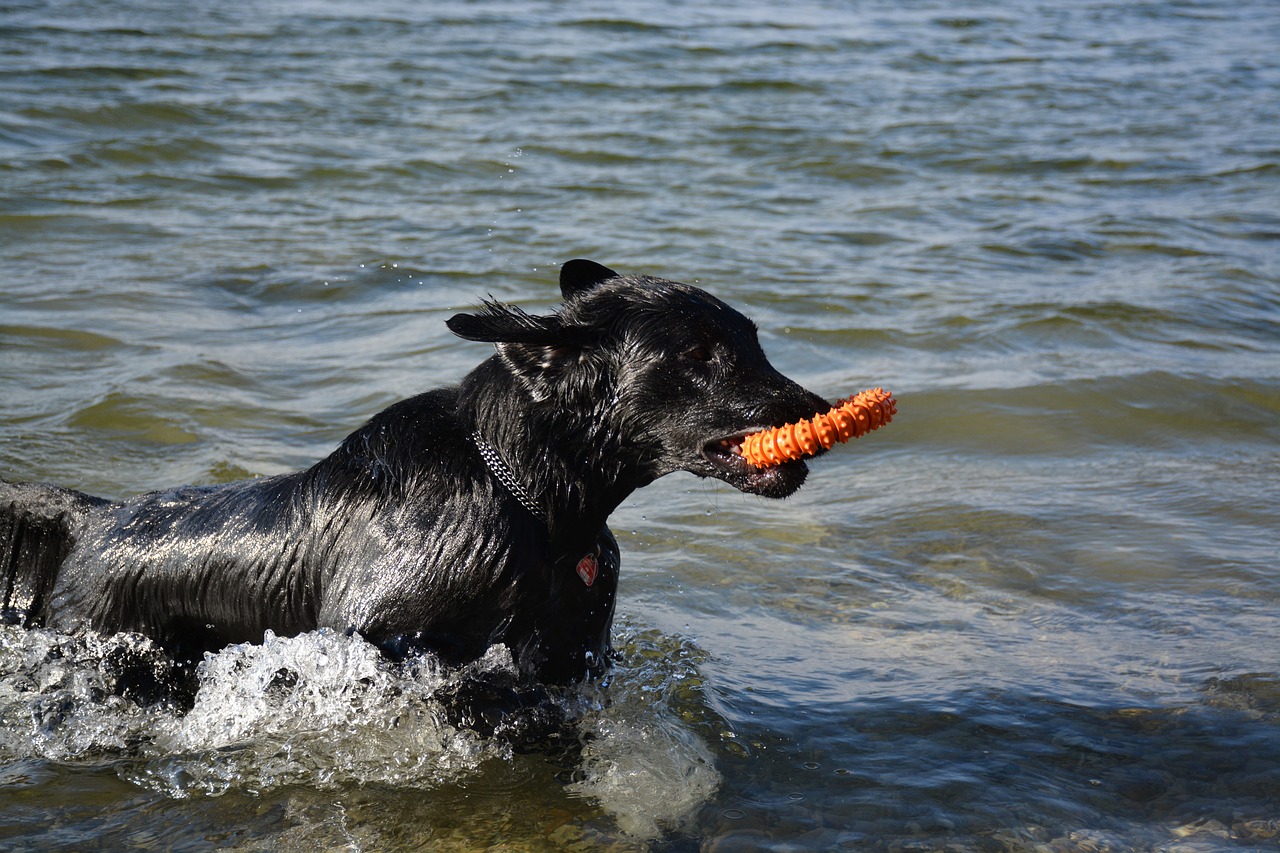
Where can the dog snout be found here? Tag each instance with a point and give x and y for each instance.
(786, 401)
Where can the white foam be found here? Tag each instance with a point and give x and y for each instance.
(324, 710)
(318, 709)
(56, 702)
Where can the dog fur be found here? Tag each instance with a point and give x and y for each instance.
(405, 534)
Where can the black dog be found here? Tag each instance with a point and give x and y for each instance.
(452, 521)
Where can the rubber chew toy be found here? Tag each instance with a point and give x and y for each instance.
(856, 416)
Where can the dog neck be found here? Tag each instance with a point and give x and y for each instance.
(504, 475)
(567, 486)
(567, 468)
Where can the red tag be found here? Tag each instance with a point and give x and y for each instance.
(587, 569)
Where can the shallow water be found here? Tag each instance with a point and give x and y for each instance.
(1037, 612)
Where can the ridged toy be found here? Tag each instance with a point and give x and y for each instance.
(856, 416)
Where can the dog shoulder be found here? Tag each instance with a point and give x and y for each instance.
(405, 434)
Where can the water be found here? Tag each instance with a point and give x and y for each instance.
(1037, 612)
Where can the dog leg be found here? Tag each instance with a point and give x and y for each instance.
(38, 528)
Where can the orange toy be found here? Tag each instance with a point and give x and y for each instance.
(858, 415)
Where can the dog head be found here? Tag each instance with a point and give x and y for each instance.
(667, 374)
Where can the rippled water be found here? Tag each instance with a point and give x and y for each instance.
(1039, 609)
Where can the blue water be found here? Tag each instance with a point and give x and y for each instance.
(1039, 611)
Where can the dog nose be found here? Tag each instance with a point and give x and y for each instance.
(778, 405)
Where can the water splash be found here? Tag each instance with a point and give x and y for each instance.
(60, 696)
(320, 709)
(642, 762)
(325, 710)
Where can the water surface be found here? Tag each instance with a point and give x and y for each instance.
(1037, 612)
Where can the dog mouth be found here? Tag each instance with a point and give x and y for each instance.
(727, 463)
(725, 451)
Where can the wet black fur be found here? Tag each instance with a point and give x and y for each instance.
(403, 534)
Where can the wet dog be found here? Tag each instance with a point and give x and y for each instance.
(452, 521)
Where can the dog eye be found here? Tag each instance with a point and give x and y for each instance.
(703, 354)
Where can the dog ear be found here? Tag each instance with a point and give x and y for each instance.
(535, 348)
(580, 275)
(506, 324)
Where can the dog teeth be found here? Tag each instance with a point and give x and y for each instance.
(729, 446)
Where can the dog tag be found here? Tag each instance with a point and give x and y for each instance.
(588, 569)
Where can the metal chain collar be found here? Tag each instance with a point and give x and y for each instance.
(507, 477)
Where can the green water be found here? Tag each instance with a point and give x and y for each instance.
(1038, 612)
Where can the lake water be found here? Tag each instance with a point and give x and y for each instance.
(1037, 612)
